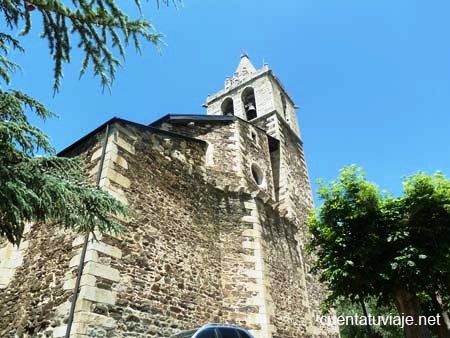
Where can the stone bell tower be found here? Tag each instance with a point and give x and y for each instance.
(258, 96)
(251, 94)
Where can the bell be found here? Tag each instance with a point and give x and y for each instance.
(251, 107)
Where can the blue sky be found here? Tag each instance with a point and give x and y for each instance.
(372, 78)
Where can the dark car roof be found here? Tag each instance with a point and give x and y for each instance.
(190, 333)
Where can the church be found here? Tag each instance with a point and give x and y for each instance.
(216, 233)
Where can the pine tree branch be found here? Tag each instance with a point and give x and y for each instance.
(98, 25)
(43, 189)
(52, 189)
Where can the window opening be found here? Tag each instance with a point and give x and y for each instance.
(248, 99)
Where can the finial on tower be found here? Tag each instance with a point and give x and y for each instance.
(245, 66)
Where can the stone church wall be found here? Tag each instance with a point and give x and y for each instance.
(28, 305)
(222, 155)
(255, 150)
(295, 198)
(200, 247)
(170, 268)
(288, 290)
(233, 147)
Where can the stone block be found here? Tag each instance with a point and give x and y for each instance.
(105, 249)
(178, 155)
(90, 318)
(90, 256)
(88, 280)
(258, 300)
(127, 131)
(9, 252)
(97, 153)
(83, 305)
(248, 245)
(248, 258)
(60, 331)
(15, 260)
(254, 287)
(250, 205)
(76, 331)
(258, 318)
(116, 177)
(257, 274)
(6, 275)
(119, 196)
(102, 271)
(124, 145)
(97, 295)
(105, 183)
(79, 240)
(250, 219)
(252, 233)
(111, 148)
(119, 160)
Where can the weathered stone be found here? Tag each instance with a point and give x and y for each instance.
(100, 270)
(97, 295)
(209, 240)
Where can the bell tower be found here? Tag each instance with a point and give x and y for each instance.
(258, 97)
(251, 94)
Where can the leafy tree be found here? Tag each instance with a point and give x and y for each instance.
(43, 188)
(346, 308)
(396, 250)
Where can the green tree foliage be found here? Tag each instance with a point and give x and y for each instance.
(346, 308)
(49, 188)
(44, 188)
(99, 26)
(396, 250)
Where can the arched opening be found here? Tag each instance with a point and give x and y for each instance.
(248, 99)
(227, 107)
(257, 174)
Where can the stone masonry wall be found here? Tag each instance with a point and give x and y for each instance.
(232, 148)
(296, 201)
(181, 262)
(285, 273)
(286, 110)
(28, 306)
(255, 150)
(222, 154)
(34, 302)
(203, 245)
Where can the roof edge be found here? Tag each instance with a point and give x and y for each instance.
(120, 120)
(207, 118)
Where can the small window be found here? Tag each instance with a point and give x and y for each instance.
(257, 174)
(228, 107)
(207, 333)
(228, 332)
(244, 334)
(253, 135)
